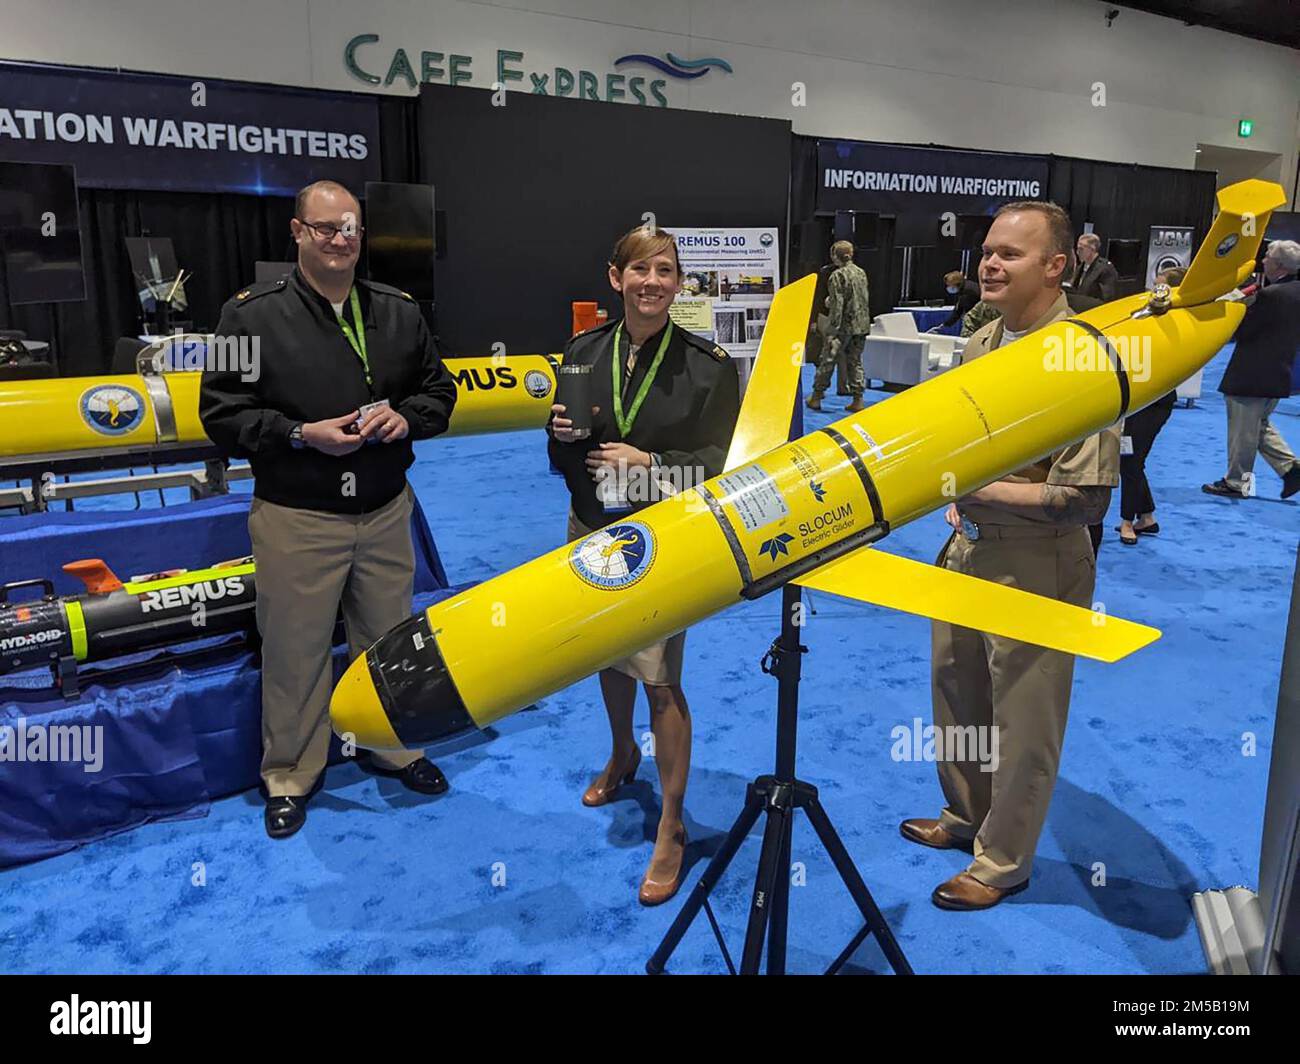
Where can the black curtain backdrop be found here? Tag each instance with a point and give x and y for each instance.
(218, 236)
(535, 193)
(1122, 201)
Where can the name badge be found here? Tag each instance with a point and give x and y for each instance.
(1126, 445)
(363, 415)
(611, 490)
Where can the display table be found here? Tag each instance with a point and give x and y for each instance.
(172, 729)
(928, 317)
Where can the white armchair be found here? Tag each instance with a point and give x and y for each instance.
(896, 353)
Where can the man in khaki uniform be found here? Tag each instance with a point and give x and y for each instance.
(1028, 530)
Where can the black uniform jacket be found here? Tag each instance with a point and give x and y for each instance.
(1260, 366)
(309, 372)
(1098, 279)
(688, 416)
(967, 296)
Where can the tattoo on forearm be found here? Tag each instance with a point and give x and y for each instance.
(1067, 505)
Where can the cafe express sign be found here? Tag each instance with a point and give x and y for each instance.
(368, 60)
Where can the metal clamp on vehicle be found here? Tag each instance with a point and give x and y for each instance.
(796, 569)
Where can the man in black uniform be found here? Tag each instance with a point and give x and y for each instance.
(348, 376)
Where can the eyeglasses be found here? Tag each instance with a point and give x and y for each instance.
(327, 231)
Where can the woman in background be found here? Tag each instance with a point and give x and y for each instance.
(1137, 508)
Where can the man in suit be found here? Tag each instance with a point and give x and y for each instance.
(1259, 375)
(1093, 275)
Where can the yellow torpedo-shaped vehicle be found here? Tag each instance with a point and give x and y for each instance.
(68, 418)
(810, 510)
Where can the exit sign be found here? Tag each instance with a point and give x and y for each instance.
(1245, 127)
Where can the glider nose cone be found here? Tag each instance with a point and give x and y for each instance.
(399, 694)
(356, 712)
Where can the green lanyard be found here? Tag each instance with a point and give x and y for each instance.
(625, 423)
(357, 338)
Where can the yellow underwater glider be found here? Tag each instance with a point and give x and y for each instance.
(73, 417)
(809, 510)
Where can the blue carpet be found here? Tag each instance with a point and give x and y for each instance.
(510, 873)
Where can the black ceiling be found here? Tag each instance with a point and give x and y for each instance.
(1275, 21)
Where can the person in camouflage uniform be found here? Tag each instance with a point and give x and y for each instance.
(978, 316)
(846, 324)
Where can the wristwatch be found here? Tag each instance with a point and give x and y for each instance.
(295, 437)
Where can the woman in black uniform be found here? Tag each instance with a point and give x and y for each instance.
(665, 403)
(1136, 505)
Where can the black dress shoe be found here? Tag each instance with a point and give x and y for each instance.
(284, 815)
(1222, 487)
(1152, 529)
(423, 776)
(1291, 482)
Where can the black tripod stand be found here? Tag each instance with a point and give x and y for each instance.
(779, 796)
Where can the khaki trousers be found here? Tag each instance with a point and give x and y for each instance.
(1249, 433)
(1022, 690)
(310, 563)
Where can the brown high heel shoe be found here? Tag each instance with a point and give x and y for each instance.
(652, 891)
(597, 795)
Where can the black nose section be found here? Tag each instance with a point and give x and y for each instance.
(414, 686)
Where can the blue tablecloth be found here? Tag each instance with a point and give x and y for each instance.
(170, 729)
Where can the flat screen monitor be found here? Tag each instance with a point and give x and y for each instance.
(916, 230)
(153, 263)
(859, 228)
(1283, 225)
(40, 233)
(1125, 256)
(400, 241)
(866, 230)
(842, 227)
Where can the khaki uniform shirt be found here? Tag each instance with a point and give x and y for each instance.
(1092, 462)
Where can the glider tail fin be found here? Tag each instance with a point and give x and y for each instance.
(764, 420)
(1227, 255)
